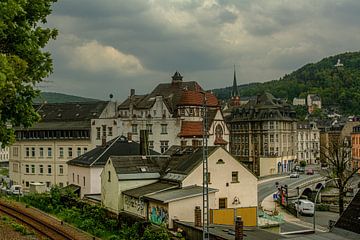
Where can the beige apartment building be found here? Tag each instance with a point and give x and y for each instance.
(308, 143)
(263, 135)
(66, 131)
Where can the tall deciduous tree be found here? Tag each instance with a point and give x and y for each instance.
(338, 159)
(23, 63)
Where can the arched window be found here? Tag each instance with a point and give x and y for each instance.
(219, 132)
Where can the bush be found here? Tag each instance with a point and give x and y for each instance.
(302, 163)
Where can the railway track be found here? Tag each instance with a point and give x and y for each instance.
(39, 224)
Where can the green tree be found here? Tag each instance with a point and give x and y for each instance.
(23, 63)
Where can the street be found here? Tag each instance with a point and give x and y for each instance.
(268, 187)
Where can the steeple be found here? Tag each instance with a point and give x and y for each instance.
(235, 90)
(177, 78)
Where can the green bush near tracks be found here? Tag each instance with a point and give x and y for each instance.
(16, 226)
(91, 218)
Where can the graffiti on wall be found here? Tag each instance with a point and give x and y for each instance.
(158, 214)
(134, 205)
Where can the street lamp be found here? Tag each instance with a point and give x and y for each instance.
(317, 194)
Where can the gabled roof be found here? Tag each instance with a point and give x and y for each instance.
(191, 129)
(149, 189)
(178, 194)
(98, 156)
(196, 98)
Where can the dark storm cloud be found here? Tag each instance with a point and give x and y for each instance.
(107, 45)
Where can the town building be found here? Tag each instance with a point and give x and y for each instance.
(4, 157)
(66, 130)
(168, 187)
(263, 135)
(313, 102)
(84, 171)
(308, 143)
(173, 115)
(299, 102)
(355, 147)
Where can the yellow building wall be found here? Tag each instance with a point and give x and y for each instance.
(227, 216)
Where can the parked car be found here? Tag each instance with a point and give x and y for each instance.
(304, 207)
(15, 190)
(294, 175)
(309, 172)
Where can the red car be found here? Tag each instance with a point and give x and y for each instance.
(310, 172)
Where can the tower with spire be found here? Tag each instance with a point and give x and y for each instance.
(235, 95)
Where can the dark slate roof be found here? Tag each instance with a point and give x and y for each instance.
(138, 164)
(350, 219)
(184, 160)
(171, 93)
(149, 189)
(98, 156)
(71, 111)
(179, 193)
(264, 107)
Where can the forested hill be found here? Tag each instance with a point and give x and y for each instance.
(53, 97)
(338, 87)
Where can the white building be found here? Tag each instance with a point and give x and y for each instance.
(308, 143)
(4, 156)
(299, 101)
(163, 188)
(173, 115)
(67, 130)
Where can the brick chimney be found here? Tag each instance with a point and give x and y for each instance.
(239, 228)
(197, 216)
(132, 92)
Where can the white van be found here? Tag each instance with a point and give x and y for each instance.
(304, 207)
(15, 190)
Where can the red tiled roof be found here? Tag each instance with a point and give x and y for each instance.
(191, 129)
(220, 141)
(196, 98)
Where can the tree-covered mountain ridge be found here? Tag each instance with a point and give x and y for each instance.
(338, 87)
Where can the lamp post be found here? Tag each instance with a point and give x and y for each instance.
(316, 196)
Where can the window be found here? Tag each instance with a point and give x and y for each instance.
(15, 167)
(222, 203)
(164, 145)
(104, 130)
(109, 176)
(219, 132)
(49, 152)
(149, 128)
(163, 128)
(27, 184)
(27, 168)
(15, 151)
(235, 177)
(32, 152)
(48, 184)
(98, 133)
(151, 144)
(41, 169)
(134, 129)
(78, 151)
(61, 169)
(27, 152)
(49, 169)
(61, 184)
(183, 143)
(41, 152)
(85, 149)
(61, 152)
(77, 177)
(69, 152)
(84, 181)
(110, 131)
(32, 168)
(73, 177)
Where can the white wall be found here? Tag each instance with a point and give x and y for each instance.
(221, 179)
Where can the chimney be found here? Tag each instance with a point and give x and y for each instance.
(129, 136)
(103, 141)
(197, 216)
(132, 92)
(239, 228)
(144, 142)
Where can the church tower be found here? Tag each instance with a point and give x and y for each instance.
(235, 95)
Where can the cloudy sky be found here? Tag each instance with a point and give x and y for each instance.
(110, 46)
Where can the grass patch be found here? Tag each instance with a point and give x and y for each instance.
(16, 226)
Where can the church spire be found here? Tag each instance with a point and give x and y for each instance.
(235, 90)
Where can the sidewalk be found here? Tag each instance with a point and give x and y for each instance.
(269, 205)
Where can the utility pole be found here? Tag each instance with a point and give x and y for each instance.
(205, 173)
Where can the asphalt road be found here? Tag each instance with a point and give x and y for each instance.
(268, 187)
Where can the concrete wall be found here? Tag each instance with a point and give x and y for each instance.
(221, 178)
(92, 178)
